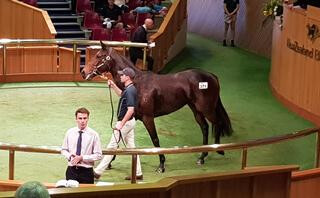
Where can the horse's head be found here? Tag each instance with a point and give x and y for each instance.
(100, 63)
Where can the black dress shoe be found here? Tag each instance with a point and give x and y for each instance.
(138, 177)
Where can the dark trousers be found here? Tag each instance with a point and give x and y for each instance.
(81, 174)
(136, 54)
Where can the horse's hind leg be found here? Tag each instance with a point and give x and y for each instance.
(201, 120)
(151, 128)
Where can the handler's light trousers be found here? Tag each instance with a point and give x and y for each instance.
(127, 133)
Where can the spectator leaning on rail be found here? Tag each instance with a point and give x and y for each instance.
(126, 122)
(140, 36)
(81, 147)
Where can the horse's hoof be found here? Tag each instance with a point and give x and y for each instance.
(200, 161)
(160, 170)
(220, 152)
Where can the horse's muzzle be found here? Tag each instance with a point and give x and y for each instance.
(86, 76)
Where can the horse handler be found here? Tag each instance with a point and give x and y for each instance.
(126, 122)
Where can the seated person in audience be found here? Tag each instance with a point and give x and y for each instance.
(122, 5)
(147, 7)
(112, 11)
(162, 10)
(99, 5)
(120, 31)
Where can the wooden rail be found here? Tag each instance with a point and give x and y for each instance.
(177, 150)
(165, 36)
(264, 182)
(20, 60)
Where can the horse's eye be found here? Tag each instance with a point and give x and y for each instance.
(98, 56)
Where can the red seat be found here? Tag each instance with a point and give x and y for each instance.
(141, 17)
(119, 34)
(129, 20)
(132, 4)
(31, 2)
(92, 20)
(83, 6)
(101, 34)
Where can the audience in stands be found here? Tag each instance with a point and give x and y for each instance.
(231, 8)
(32, 189)
(98, 5)
(140, 36)
(150, 7)
(111, 11)
(81, 147)
(123, 5)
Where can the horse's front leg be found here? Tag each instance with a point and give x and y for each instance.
(150, 126)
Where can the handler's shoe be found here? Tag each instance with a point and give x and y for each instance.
(139, 177)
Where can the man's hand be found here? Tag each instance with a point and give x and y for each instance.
(76, 159)
(119, 126)
(110, 83)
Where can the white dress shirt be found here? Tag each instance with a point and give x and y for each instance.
(90, 146)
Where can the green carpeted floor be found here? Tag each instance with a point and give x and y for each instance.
(40, 114)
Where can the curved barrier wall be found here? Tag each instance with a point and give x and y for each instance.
(296, 62)
(259, 182)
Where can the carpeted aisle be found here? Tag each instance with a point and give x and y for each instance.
(40, 114)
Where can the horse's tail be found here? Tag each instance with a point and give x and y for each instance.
(222, 125)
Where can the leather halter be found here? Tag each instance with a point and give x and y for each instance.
(96, 71)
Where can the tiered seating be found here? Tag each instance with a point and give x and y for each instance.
(101, 34)
(119, 34)
(92, 20)
(31, 2)
(141, 17)
(83, 6)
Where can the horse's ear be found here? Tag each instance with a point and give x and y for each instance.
(103, 46)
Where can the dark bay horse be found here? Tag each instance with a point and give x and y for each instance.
(163, 94)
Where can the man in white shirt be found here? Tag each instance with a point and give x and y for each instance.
(81, 147)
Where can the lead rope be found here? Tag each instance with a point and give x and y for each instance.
(112, 115)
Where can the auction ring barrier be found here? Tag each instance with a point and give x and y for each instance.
(35, 49)
(176, 150)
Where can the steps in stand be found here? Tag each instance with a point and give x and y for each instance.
(66, 23)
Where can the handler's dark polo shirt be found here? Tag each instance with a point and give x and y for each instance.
(128, 99)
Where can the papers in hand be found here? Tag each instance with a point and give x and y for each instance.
(67, 183)
(104, 183)
(153, 44)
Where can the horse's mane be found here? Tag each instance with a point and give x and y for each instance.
(122, 61)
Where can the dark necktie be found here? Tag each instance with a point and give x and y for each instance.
(79, 143)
